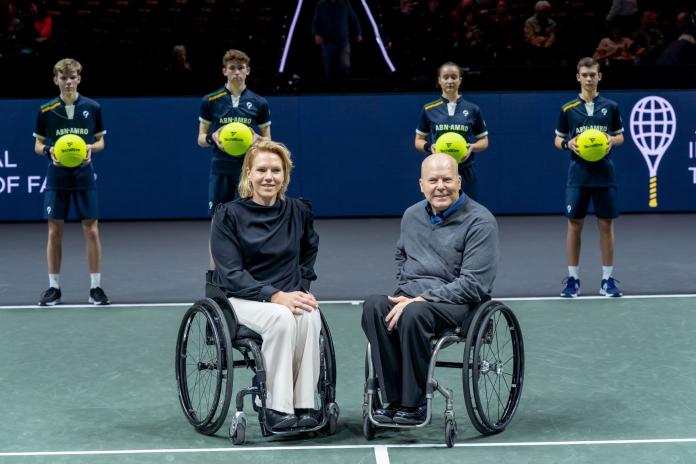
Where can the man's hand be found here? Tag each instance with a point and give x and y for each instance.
(401, 302)
(88, 158)
(610, 142)
(297, 302)
(318, 40)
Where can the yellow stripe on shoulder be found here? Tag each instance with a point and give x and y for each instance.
(433, 105)
(216, 96)
(571, 105)
(49, 108)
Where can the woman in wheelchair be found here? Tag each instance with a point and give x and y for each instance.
(264, 247)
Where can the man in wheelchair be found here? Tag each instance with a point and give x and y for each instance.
(447, 257)
(264, 247)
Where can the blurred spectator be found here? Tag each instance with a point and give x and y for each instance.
(624, 13)
(648, 40)
(11, 28)
(471, 39)
(335, 22)
(179, 72)
(506, 32)
(683, 49)
(42, 24)
(407, 48)
(540, 34)
(615, 49)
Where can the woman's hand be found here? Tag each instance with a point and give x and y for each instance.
(297, 302)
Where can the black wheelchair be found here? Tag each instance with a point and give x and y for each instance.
(492, 374)
(208, 335)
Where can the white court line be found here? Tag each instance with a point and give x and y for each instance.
(242, 449)
(381, 454)
(354, 302)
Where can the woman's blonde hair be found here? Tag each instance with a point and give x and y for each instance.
(246, 189)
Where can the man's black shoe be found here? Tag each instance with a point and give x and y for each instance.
(411, 416)
(307, 417)
(50, 297)
(386, 415)
(277, 421)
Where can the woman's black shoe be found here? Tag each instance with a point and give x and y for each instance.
(307, 417)
(279, 421)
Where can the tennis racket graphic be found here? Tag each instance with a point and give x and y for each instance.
(653, 126)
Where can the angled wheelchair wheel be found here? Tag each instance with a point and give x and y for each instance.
(494, 373)
(327, 378)
(204, 366)
(327, 360)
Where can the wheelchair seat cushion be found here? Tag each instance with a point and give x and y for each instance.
(244, 332)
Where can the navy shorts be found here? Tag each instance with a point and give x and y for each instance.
(57, 204)
(469, 181)
(222, 188)
(603, 200)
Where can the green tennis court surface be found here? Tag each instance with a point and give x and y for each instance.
(605, 381)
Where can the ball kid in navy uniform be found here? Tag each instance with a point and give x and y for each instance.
(451, 113)
(595, 181)
(233, 102)
(70, 113)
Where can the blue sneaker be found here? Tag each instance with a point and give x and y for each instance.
(572, 287)
(609, 288)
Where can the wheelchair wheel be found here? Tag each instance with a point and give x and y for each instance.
(450, 432)
(368, 428)
(327, 382)
(494, 373)
(204, 366)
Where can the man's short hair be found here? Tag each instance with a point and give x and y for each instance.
(235, 55)
(588, 62)
(67, 66)
(542, 5)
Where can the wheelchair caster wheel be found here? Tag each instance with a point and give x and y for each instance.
(368, 428)
(450, 432)
(238, 428)
(332, 424)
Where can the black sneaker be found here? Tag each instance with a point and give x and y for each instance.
(50, 297)
(98, 297)
(411, 416)
(307, 417)
(277, 421)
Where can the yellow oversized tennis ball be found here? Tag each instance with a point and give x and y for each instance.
(452, 144)
(70, 150)
(592, 145)
(236, 138)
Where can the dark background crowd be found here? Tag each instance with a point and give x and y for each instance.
(174, 47)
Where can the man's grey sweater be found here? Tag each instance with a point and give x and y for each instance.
(454, 261)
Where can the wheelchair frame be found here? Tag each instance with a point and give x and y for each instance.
(482, 331)
(225, 334)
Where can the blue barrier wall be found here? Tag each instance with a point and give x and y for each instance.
(354, 155)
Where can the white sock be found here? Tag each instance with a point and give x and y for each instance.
(607, 271)
(574, 272)
(95, 280)
(54, 280)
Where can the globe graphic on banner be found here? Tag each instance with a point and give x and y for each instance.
(653, 126)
